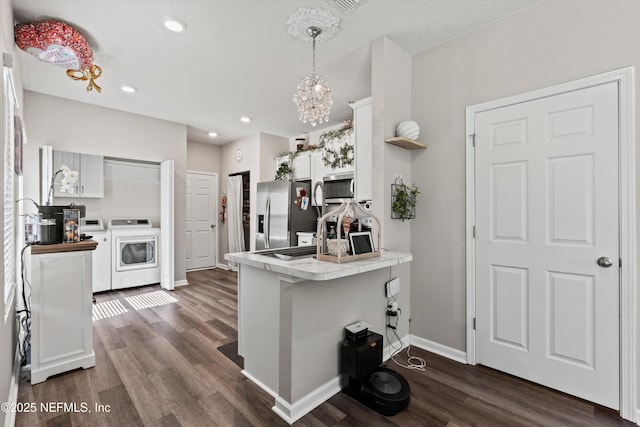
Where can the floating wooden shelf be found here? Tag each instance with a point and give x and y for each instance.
(407, 143)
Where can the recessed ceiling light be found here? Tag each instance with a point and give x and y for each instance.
(213, 134)
(245, 119)
(128, 89)
(173, 24)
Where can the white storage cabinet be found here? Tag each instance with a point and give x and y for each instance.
(61, 305)
(90, 168)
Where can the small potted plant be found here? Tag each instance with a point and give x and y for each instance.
(403, 200)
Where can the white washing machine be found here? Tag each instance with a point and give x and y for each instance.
(101, 257)
(135, 256)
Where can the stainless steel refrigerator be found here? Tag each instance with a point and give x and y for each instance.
(282, 212)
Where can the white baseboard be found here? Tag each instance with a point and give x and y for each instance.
(386, 352)
(442, 350)
(12, 398)
(638, 416)
(183, 282)
(223, 266)
(259, 384)
(292, 412)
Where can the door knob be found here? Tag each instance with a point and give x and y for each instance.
(605, 261)
(213, 226)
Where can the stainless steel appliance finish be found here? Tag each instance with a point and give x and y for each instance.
(279, 216)
(338, 188)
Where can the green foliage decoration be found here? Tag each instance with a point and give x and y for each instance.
(284, 171)
(337, 148)
(403, 200)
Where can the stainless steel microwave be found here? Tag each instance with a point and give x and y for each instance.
(338, 187)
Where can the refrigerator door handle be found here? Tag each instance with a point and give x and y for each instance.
(267, 218)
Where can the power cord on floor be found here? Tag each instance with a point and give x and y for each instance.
(393, 313)
(24, 330)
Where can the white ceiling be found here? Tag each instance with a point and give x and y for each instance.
(235, 57)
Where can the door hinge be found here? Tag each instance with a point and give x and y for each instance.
(620, 262)
(473, 231)
(474, 323)
(473, 139)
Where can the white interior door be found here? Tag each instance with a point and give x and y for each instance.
(202, 195)
(546, 174)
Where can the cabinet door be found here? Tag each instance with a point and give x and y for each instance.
(344, 168)
(72, 160)
(302, 166)
(363, 129)
(61, 327)
(91, 176)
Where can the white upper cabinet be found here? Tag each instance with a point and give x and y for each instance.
(310, 165)
(363, 131)
(90, 170)
(302, 166)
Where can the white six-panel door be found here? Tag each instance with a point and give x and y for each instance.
(546, 174)
(202, 190)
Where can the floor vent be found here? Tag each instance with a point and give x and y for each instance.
(346, 6)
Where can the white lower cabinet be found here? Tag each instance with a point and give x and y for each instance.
(61, 305)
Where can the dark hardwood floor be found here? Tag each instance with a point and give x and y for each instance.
(160, 367)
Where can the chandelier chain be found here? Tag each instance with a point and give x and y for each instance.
(314, 53)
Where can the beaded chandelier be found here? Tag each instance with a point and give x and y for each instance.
(313, 95)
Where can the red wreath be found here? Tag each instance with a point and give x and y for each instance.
(60, 44)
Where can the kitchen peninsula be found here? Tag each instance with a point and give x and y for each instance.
(291, 316)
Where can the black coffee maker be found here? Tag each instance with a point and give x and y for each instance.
(52, 223)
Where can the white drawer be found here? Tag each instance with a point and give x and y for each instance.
(306, 239)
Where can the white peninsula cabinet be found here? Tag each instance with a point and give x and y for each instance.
(90, 169)
(61, 305)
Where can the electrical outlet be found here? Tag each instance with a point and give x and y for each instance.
(392, 287)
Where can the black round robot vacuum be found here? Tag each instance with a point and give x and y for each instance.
(386, 391)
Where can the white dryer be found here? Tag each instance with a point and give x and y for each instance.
(135, 257)
(101, 257)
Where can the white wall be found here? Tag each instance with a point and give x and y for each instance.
(73, 126)
(550, 43)
(270, 147)
(126, 184)
(258, 157)
(202, 157)
(391, 93)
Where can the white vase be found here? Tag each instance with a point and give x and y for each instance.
(408, 129)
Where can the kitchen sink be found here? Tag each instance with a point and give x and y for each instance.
(290, 253)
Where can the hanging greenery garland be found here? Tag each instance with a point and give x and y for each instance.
(337, 147)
